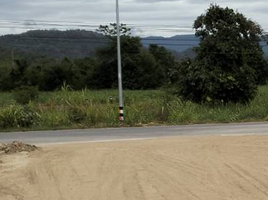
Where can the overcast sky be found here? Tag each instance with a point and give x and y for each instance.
(146, 17)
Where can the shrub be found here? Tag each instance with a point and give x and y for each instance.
(18, 116)
(76, 114)
(24, 94)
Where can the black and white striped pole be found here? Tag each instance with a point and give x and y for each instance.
(120, 87)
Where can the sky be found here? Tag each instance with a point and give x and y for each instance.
(145, 17)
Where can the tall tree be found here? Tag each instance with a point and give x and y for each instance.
(229, 61)
(165, 60)
(139, 67)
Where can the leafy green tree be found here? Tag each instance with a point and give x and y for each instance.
(50, 74)
(55, 75)
(35, 75)
(229, 61)
(139, 68)
(165, 61)
(17, 73)
(5, 82)
(85, 69)
(150, 74)
(105, 75)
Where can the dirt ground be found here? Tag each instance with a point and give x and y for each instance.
(180, 168)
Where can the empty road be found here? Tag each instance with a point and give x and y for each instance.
(108, 134)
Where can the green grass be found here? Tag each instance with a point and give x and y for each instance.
(85, 109)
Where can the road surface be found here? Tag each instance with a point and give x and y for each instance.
(110, 134)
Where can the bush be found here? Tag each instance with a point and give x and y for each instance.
(18, 116)
(24, 94)
(76, 114)
(197, 84)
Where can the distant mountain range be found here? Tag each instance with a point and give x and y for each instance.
(177, 43)
(54, 43)
(181, 45)
(81, 43)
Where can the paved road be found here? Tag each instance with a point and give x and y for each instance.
(107, 134)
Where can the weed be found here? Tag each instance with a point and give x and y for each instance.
(18, 116)
(86, 108)
(76, 114)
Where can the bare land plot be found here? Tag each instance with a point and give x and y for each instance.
(184, 168)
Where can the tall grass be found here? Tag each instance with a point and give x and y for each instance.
(82, 109)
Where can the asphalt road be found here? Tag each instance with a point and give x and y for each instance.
(108, 134)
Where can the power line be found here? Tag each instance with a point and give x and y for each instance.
(30, 23)
(97, 38)
(81, 23)
(135, 51)
(75, 23)
(105, 41)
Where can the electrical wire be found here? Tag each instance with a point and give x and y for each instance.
(24, 22)
(99, 40)
(144, 43)
(102, 39)
(131, 51)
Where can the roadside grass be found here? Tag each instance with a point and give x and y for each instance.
(85, 109)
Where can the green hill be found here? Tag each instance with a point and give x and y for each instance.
(54, 43)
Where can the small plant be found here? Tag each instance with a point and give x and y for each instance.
(76, 114)
(165, 101)
(24, 94)
(65, 88)
(18, 116)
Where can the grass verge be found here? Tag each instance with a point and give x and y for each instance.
(86, 109)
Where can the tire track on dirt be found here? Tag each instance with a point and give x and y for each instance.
(249, 179)
(185, 168)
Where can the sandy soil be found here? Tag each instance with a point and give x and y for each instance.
(181, 168)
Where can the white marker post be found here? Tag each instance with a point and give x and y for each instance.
(120, 87)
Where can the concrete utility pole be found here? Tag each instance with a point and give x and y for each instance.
(120, 87)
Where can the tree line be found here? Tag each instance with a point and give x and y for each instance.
(143, 68)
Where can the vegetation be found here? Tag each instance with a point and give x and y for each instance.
(229, 61)
(25, 94)
(86, 108)
(53, 44)
(218, 84)
(142, 68)
(148, 68)
(16, 116)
